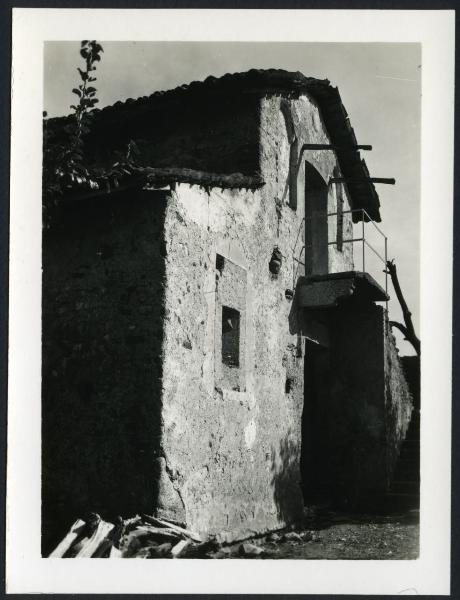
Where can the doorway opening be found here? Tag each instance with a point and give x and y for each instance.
(315, 442)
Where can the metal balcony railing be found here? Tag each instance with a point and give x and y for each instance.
(364, 242)
(360, 238)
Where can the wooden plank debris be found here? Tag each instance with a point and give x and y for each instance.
(63, 546)
(387, 180)
(138, 537)
(91, 544)
(115, 552)
(158, 532)
(179, 548)
(181, 530)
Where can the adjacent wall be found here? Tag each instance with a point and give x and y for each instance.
(357, 408)
(212, 133)
(103, 280)
(399, 401)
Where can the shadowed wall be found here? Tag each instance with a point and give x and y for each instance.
(103, 280)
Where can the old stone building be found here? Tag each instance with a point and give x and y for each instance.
(210, 351)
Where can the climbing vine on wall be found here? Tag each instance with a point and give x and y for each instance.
(63, 153)
(65, 166)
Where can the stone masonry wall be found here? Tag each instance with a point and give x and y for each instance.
(358, 390)
(399, 402)
(103, 280)
(214, 134)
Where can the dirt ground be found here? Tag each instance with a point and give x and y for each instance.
(337, 536)
(323, 535)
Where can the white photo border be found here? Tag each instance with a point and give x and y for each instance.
(26, 571)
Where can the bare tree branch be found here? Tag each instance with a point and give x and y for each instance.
(407, 330)
(399, 326)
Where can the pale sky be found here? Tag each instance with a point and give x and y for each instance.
(380, 86)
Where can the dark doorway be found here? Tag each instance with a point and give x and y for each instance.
(316, 223)
(314, 452)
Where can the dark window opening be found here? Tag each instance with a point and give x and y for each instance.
(289, 384)
(220, 263)
(340, 201)
(230, 337)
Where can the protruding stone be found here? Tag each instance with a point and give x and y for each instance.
(248, 549)
(168, 502)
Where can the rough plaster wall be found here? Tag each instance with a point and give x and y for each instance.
(398, 401)
(235, 472)
(275, 161)
(287, 226)
(231, 291)
(103, 280)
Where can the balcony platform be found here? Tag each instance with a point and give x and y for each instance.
(326, 291)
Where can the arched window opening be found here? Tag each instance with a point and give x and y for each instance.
(316, 222)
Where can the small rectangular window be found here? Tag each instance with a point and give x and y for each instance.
(339, 240)
(220, 263)
(230, 337)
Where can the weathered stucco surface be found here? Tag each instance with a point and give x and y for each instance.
(235, 472)
(281, 178)
(222, 451)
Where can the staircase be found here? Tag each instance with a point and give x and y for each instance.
(404, 492)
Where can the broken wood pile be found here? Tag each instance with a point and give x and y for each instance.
(145, 536)
(140, 537)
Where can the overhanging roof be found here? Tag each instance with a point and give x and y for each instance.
(265, 83)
